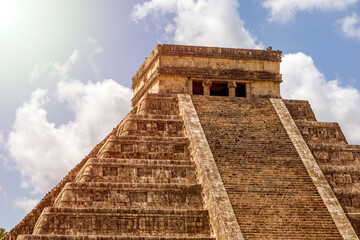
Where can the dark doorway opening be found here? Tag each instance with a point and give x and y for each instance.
(219, 89)
(240, 90)
(197, 88)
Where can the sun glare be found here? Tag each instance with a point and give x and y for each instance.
(7, 11)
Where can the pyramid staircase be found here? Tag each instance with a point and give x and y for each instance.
(141, 185)
(339, 161)
(271, 192)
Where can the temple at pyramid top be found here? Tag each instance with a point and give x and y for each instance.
(209, 71)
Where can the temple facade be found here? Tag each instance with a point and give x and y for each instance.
(209, 150)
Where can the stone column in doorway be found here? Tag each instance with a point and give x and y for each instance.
(206, 85)
(232, 88)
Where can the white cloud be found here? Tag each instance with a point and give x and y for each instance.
(54, 71)
(25, 203)
(96, 49)
(350, 26)
(202, 22)
(284, 10)
(3, 158)
(329, 100)
(44, 152)
(2, 140)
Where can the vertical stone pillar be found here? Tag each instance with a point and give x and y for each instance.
(190, 86)
(232, 87)
(248, 90)
(206, 86)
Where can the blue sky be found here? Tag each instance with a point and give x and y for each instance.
(66, 68)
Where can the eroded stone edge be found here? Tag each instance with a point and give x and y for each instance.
(222, 217)
(320, 182)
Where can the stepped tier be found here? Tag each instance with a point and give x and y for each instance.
(145, 148)
(99, 237)
(120, 195)
(336, 154)
(327, 133)
(158, 104)
(152, 125)
(339, 161)
(98, 170)
(126, 222)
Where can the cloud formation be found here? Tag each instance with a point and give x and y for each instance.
(54, 71)
(44, 152)
(202, 22)
(350, 26)
(3, 158)
(25, 203)
(96, 50)
(284, 10)
(329, 100)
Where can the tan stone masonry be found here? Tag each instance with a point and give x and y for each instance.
(314, 171)
(216, 200)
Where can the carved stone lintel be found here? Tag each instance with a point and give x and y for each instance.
(207, 83)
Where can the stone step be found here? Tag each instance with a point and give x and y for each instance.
(159, 105)
(326, 154)
(321, 132)
(120, 195)
(123, 222)
(102, 237)
(155, 117)
(135, 161)
(300, 110)
(145, 148)
(344, 176)
(349, 197)
(95, 171)
(142, 125)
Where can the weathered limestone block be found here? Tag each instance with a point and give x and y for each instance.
(104, 237)
(121, 222)
(158, 104)
(320, 132)
(145, 148)
(131, 173)
(300, 110)
(152, 127)
(116, 195)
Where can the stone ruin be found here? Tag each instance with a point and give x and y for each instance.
(210, 150)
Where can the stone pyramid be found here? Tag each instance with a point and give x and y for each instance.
(210, 150)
